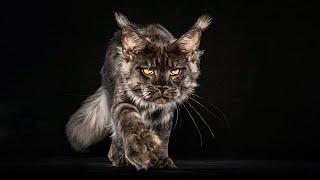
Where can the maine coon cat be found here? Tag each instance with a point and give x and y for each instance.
(147, 72)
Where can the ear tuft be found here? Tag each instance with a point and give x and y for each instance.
(203, 22)
(122, 20)
(190, 41)
(131, 40)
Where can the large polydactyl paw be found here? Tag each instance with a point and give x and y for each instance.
(164, 163)
(139, 149)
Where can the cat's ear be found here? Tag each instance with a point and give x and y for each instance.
(131, 39)
(122, 20)
(190, 41)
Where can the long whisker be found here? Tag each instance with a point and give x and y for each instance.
(217, 108)
(200, 135)
(177, 117)
(220, 111)
(213, 136)
(180, 122)
(202, 106)
(213, 114)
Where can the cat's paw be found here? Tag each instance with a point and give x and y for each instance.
(139, 147)
(120, 161)
(164, 163)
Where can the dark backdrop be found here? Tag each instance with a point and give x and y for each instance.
(259, 68)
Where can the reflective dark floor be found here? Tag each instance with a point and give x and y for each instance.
(101, 167)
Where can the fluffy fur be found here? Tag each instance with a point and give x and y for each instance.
(90, 123)
(133, 107)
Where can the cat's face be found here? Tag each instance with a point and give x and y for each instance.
(160, 77)
(160, 73)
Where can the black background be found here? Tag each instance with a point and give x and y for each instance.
(260, 68)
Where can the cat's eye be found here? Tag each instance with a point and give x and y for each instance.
(148, 71)
(174, 72)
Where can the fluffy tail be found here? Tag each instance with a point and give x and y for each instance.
(90, 123)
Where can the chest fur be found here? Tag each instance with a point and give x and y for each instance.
(151, 117)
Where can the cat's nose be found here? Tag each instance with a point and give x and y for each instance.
(163, 88)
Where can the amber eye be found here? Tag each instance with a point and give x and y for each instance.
(147, 71)
(174, 72)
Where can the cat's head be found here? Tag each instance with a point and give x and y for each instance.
(157, 68)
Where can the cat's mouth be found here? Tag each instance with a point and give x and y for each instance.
(161, 100)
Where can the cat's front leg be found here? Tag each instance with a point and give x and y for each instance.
(139, 149)
(163, 159)
(138, 141)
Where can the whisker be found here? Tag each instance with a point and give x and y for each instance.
(126, 89)
(210, 112)
(213, 136)
(180, 122)
(225, 119)
(177, 117)
(140, 99)
(216, 107)
(203, 106)
(200, 135)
